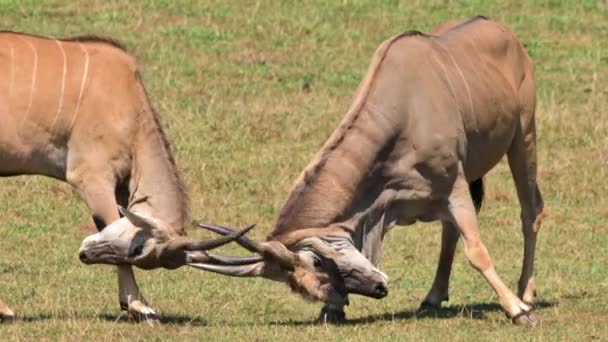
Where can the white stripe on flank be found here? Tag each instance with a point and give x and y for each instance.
(34, 72)
(65, 70)
(84, 80)
(447, 76)
(466, 84)
(12, 74)
(11, 80)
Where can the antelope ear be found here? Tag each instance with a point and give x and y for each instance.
(139, 220)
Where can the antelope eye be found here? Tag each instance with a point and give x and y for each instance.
(137, 251)
(317, 262)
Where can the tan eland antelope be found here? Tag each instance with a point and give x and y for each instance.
(433, 115)
(76, 110)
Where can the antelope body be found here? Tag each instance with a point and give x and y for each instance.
(433, 115)
(76, 110)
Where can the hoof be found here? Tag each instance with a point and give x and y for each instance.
(331, 316)
(427, 308)
(143, 313)
(526, 318)
(7, 316)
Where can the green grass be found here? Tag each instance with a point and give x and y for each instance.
(248, 91)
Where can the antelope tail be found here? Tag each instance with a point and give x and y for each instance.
(477, 191)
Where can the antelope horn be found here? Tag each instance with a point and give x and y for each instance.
(253, 270)
(211, 244)
(275, 249)
(243, 241)
(234, 261)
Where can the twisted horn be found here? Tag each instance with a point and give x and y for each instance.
(243, 241)
(234, 261)
(253, 270)
(211, 244)
(275, 249)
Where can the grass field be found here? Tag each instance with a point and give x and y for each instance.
(248, 91)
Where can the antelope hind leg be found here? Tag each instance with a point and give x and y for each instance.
(522, 161)
(464, 217)
(439, 291)
(132, 300)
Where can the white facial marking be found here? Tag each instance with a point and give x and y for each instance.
(65, 69)
(352, 257)
(89, 240)
(307, 256)
(381, 274)
(117, 237)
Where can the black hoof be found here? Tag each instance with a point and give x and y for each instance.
(427, 308)
(124, 306)
(331, 316)
(7, 317)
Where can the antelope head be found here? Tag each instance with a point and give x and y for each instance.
(146, 242)
(318, 267)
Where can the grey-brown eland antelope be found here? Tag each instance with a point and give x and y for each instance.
(432, 116)
(76, 110)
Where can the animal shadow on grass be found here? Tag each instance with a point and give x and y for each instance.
(473, 311)
(122, 318)
(165, 319)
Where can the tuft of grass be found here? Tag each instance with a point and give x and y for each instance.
(248, 91)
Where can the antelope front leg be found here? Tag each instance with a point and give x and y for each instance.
(99, 195)
(463, 215)
(131, 299)
(6, 314)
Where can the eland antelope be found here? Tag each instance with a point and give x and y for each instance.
(432, 116)
(76, 110)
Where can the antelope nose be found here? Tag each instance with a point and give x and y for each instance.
(381, 290)
(82, 256)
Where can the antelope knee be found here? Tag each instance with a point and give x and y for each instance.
(478, 256)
